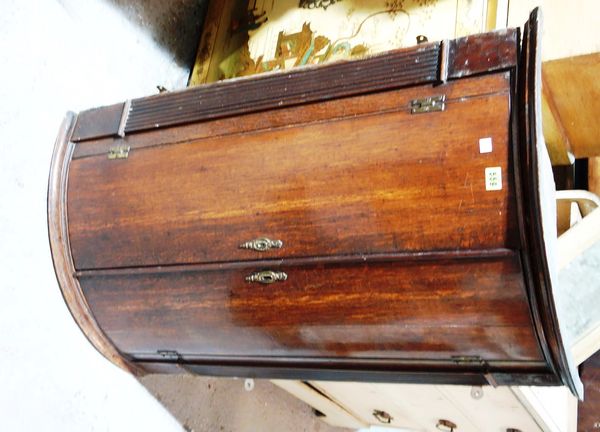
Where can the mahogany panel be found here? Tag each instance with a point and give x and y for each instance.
(390, 182)
(98, 122)
(302, 114)
(378, 310)
(536, 196)
(483, 53)
(395, 69)
(61, 254)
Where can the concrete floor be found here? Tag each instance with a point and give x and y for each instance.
(218, 404)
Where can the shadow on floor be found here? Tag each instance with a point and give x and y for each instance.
(176, 25)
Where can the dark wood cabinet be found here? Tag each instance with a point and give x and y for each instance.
(369, 220)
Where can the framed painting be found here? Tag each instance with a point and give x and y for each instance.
(246, 37)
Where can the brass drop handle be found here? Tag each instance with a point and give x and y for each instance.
(382, 416)
(262, 244)
(267, 277)
(446, 425)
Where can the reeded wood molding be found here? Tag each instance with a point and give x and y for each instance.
(421, 64)
(276, 90)
(61, 252)
(536, 244)
(394, 69)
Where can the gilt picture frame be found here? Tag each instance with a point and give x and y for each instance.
(247, 37)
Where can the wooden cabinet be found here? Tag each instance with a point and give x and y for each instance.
(372, 220)
(347, 182)
(350, 310)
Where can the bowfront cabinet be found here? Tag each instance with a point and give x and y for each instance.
(372, 220)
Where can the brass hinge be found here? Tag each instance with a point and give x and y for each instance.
(477, 362)
(169, 354)
(469, 360)
(119, 151)
(426, 105)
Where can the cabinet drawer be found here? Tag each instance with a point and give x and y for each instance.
(381, 182)
(427, 310)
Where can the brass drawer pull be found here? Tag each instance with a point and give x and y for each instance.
(266, 277)
(446, 425)
(262, 244)
(382, 416)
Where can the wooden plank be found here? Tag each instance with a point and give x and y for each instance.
(537, 195)
(394, 100)
(61, 254)
(98, 122)
(198, 201)
(396, 69)
(572, 84)
(482, 53)
(432, 311)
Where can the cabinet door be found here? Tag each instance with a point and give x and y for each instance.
(388, 310)
(383, 181)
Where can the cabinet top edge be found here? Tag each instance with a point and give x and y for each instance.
(422, 64)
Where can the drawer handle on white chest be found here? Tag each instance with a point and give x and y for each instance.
(267, 277)
(262, 244)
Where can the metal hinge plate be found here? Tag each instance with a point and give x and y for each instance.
(427, 105)
(476, 361)
(119, 151)
(469, 360)
(169, 354)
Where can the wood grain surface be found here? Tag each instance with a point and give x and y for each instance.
(382, 182)
(483, 53)
(398, 257)
(572, 87)
(61, 253)
(427, 63)
(537, 214)
(98, 122)
(383, 310)
(393, 100)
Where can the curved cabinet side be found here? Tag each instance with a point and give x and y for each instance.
(540, 219)
(61, 251)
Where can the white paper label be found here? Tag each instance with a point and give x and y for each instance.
(493, 178)
(485, 145)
